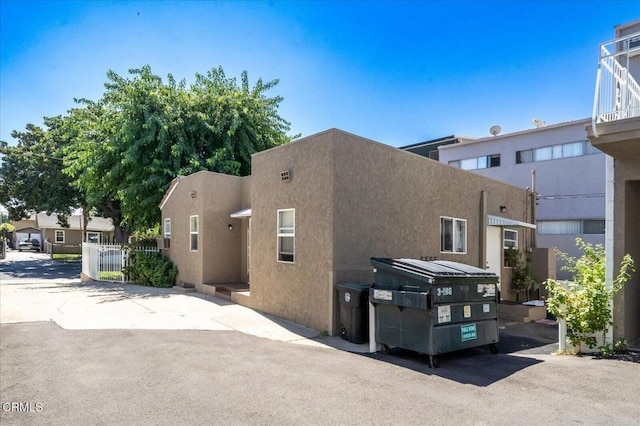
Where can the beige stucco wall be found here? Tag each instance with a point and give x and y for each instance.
(300, 291)
(213, 197)
(355, 199)
(627, 241)
(621, 140)
(389, 203)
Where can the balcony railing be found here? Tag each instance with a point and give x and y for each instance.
(617, 93)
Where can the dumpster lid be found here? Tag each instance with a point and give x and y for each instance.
(354, 286)
(434, 268)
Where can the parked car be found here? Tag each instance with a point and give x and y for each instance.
(29, 244)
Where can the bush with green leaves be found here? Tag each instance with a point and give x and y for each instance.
(151, 269)
(522, 279)
(585, 302)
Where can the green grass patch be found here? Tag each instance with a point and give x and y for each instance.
(66, 256)
(110, 276)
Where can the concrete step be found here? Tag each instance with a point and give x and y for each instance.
(184, 289)
(521, 313)
(226, 291)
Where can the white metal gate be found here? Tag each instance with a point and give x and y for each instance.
(106, 262)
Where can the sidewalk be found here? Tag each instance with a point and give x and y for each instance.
(75, 305)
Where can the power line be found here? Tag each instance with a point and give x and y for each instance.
(570, 196)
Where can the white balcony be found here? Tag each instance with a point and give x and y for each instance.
(617, 94)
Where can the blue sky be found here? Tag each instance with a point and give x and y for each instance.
(396, 72)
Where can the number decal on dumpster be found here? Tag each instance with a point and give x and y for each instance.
(444, 291)
(468, 332)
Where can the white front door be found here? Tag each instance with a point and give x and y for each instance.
(494, 250)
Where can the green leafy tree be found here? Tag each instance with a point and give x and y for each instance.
(144, 132)
(585, 302)
(88, 158)
(31, 174)
(6, 229)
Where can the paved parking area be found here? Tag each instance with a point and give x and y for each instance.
(99, 353)
(32, 288)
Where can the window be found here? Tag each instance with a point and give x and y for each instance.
(475, 163)
(286, 235)
(574, 149)
(193, 233)
(571, 227)
(59, 236)
(525, 156)
(593, 226)
(167, 227)
(510, 238)
(93, 237)
(453, 235)
(543, 154)
(555, 152)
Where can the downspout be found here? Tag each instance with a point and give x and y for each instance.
(534, 201)
(482, 260)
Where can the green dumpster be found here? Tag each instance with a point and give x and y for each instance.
(434, 307)
(354, 311)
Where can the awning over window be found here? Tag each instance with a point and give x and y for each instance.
(241, 214)
(503, 221)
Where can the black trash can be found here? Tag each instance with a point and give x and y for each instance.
(354, 311)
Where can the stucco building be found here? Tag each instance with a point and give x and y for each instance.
(315, 211)
(615, 129)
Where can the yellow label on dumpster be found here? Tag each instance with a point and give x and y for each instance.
(467, 311)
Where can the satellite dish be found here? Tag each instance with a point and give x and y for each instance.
(537, 122)
(494, 130)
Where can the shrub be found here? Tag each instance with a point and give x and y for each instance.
(585, 302)
(522, 279)
(151, 269)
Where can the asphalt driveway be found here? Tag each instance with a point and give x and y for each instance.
(97, 353)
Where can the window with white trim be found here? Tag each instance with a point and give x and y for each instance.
(59, 238)
(453, 235)
(167, 227)
(193, 233)
(286, 235)
(510, 238)
(93, 237)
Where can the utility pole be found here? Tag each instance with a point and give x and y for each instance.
(534, 202)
